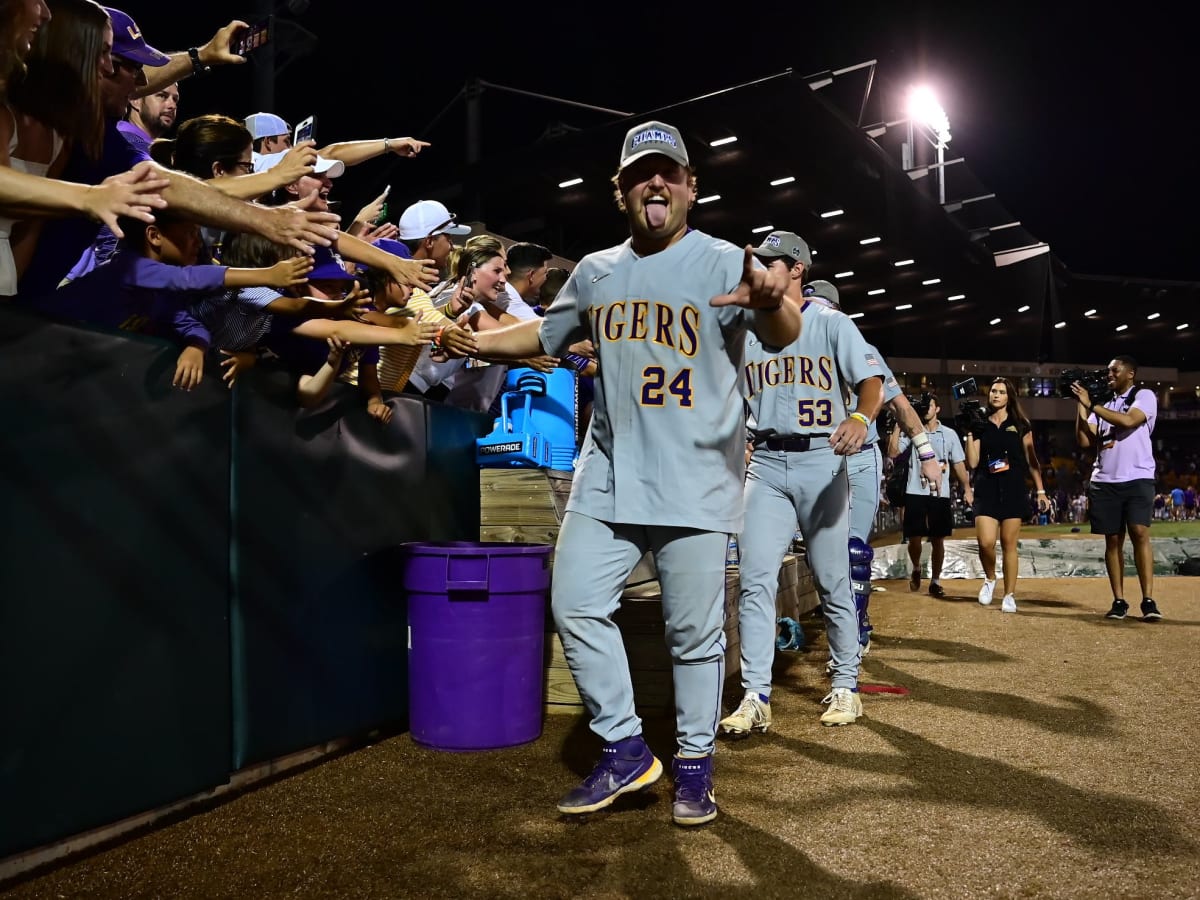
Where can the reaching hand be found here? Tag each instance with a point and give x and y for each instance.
(371, 212)
(219, 49)
(296, 163)
(296, 226)
(354, 304)
(337, 349)
(377, 409)
(135, 193)
(289, 272)
(420, 273)
(406, 146)
(1081, 394)
(759, 288)
(189, 369)
(458, 342)
(238, 361)
(372, 233)
(540, 363)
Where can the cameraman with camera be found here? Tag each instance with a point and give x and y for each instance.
(1002, 439)
(927, 509)
(1121, 495)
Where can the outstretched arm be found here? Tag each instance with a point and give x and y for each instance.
(216, 52)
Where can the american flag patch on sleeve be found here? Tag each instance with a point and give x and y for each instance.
(871, 360)
(892, 383)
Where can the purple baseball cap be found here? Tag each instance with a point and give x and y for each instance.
(393, 247)
(327, 268)
(128, 42)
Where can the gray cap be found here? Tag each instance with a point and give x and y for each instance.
(784, 243)
(653, 137)
(823, 290)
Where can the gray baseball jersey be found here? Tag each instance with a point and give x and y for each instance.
(812, 375)
(800, 390)
(949, 450)
(665, 442)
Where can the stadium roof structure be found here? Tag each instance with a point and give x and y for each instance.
(927, 265)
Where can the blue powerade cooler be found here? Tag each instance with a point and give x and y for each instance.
(536, 428)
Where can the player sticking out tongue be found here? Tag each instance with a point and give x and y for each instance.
(656, 211)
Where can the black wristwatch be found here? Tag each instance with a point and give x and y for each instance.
(198, 68)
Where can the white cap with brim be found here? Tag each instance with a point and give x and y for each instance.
(428, 218)
(331, 168)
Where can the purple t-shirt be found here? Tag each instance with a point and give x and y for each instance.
(1125, 454)
(133, 293)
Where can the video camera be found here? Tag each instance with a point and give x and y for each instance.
(921, 404)
(970, 418)
(971, 414)
(1095, 381)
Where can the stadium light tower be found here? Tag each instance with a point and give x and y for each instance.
(924, 109)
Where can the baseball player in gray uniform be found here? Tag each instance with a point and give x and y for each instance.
(662, 466)
(797, 477)
(865, 470)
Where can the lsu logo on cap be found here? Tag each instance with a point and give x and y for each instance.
(656, 136)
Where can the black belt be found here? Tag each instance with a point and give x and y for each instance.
(796, 444)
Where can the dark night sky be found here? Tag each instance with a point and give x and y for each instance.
(1074, 117)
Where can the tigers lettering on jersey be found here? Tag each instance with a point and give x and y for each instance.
(646, 320)
(789, 370)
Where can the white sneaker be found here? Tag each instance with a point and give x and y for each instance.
(1008, 604)
(752, 714)
(985, 592)
(844, 707)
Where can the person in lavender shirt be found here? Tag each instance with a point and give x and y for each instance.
(1121, 496)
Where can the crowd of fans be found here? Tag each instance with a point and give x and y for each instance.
(220, 235)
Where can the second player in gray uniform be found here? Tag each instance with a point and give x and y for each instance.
(865, 470)
(662, 466)
(797, 477)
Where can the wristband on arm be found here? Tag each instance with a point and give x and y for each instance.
(857, 415)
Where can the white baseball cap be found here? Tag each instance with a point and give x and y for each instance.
(333, 168)
(265, 125)
(427, 218)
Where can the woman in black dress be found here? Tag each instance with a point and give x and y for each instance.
(1002, 456)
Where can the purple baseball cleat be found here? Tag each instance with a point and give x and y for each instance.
(624, 766)
(695, 803)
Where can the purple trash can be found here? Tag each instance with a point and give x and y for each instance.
(476, 626)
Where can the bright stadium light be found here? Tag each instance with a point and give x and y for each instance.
(849, 273)
(957, 297)
(924, 108)
(830, 213)
(570, 182)
(876, 292)
(761, 228)
(781, 181)
(1024, 308)
(721, 142)
(929, 281)
(994, 322)
(709, 199)
(1060, 324)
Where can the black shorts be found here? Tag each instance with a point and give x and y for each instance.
(1116, 504)
(1001, 498)
(926, 516)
